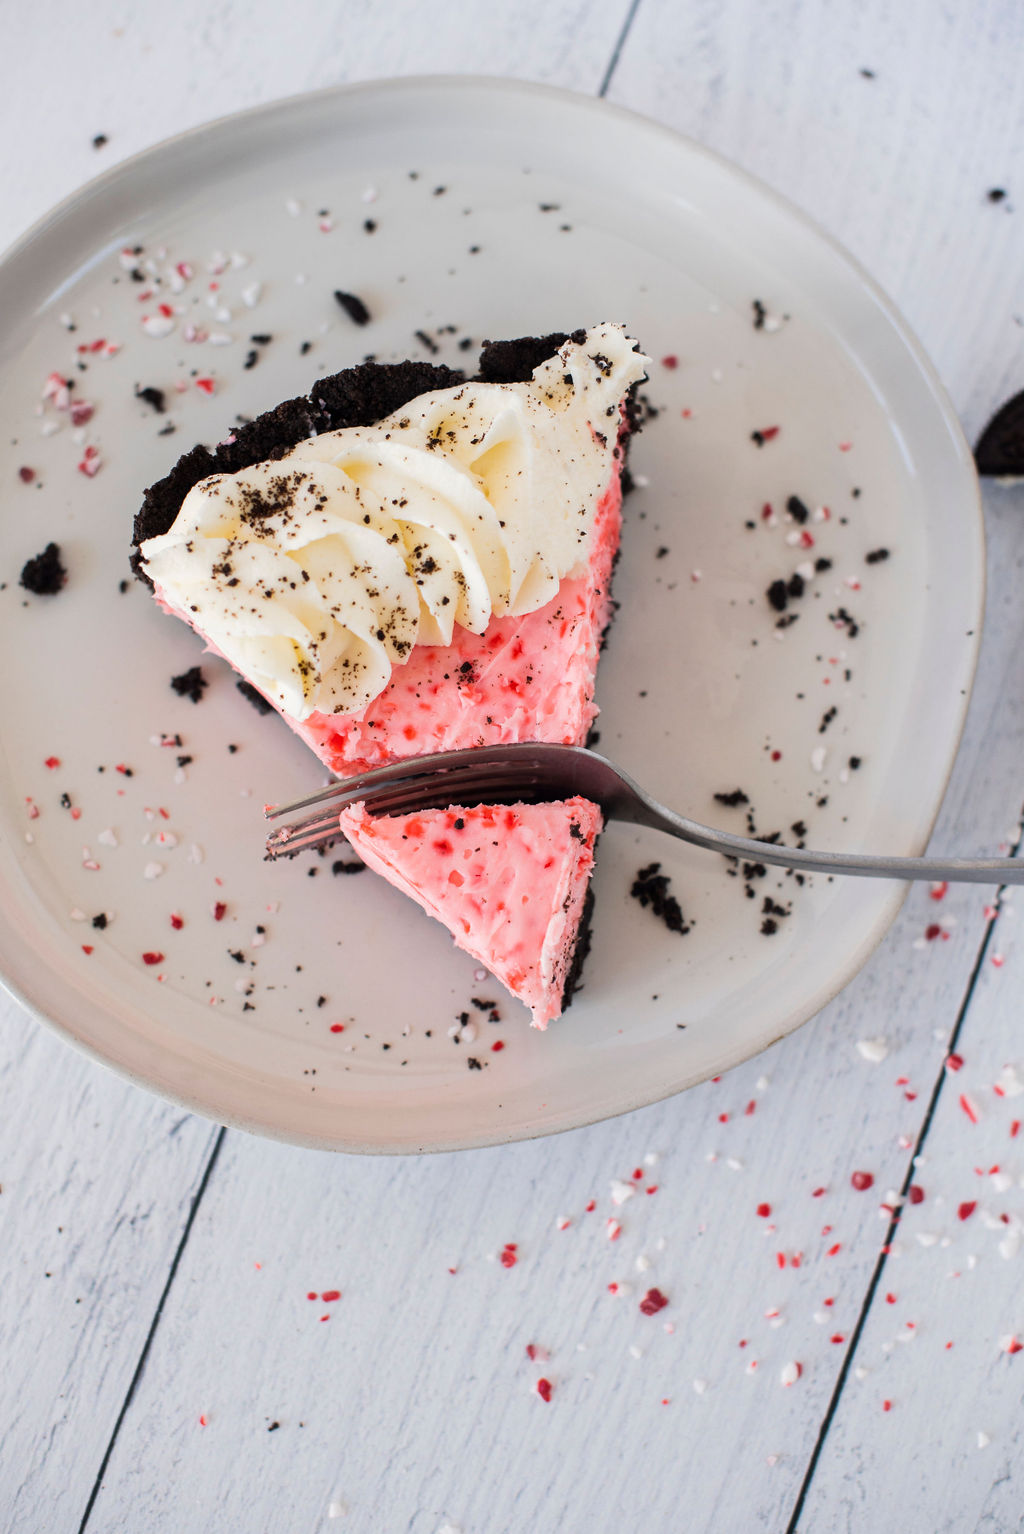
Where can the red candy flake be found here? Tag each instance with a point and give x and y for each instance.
(844, 447)
(837, 1337)
(544, 1389)
(1014, 1346)
(834, 1250)
(498, 1046)
(670, 362)
(916, 1194)
(932, 932)
(766, 511)
(652, 1302)
(81, 412)
(337, 1027)
(967, 1208)
(591, 1206)
(1015, 1129)
(218, 910)
(206, 384)
(90, 462)
(177, 922)
(769, 433)
(330, 1295)
(954, 1062)
(202, 1419)
(780, 1259)
(152, 958)
(862, 1181)
(938, 891)
(312, 1295)
(818, 1192)
(638, 1173)
(26, 475)
(887, 1406)
(57, 392)
(806, 539)
(776, 756)
(723, 1118)
(998, 960)
(123, 769)
(890, 1299)
(87, 948)
(764, 1210)
(652, 1189)
(750, 1108)
(508, 1258)
(614, 1230)
(968, 1107)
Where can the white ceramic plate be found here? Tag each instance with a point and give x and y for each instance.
(700, 691)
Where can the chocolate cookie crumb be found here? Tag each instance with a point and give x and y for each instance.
(354, 307)
(45, 574)
(735, 797)
(876, 556)
(151, 396)
(1000, 449)
(760, 313)
(997, 194)
(252, 695)
(651, 888)
(190, 684)
(341, 867)
(777, 595)
(100, 921)
(797, 510)
(99, 139)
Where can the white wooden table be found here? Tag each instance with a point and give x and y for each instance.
(162, 1368)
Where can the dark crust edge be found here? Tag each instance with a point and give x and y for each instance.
(584, 935)
(356, 396)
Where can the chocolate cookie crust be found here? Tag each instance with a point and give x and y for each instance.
(356, 396)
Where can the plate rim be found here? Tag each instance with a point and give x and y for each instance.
(524, 89)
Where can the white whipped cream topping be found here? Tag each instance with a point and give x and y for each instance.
(316, 573)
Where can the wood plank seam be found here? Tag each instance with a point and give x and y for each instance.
(620, 43)
(892, 1227)
(137, 1373)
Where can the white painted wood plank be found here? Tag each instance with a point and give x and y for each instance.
(97, 1181)
(897, 167)
(416, 1398)
(140, 73)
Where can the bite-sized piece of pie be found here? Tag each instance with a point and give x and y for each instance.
(511, 882)
(409, 561)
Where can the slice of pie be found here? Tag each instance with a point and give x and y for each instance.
(407, 560)
(511, 882)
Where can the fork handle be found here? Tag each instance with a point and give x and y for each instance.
(963, 870)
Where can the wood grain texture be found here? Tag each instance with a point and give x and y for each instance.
(97, 1179)
(414, 1404)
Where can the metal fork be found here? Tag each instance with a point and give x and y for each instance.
(532, 773)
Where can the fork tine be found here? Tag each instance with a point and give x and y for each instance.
(455, 767)
(417, 783)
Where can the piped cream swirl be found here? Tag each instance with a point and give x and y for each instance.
(315, 574)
